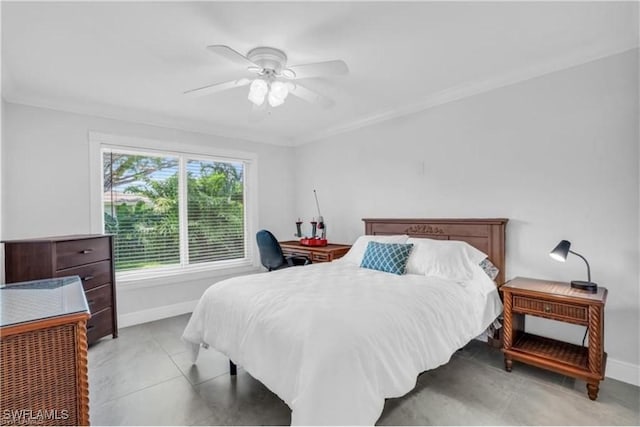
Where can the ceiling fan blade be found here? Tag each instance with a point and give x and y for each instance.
(232, 55)
(320, 69)
(217, 87)
(311, 96)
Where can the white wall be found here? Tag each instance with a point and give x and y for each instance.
(557, 155)
(46, 189)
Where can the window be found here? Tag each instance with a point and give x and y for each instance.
(170, 210)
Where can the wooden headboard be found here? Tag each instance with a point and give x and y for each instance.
(485, 234)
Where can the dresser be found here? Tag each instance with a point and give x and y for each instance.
(327, 253)
(557, 301)
(88, 256)
(43, 347)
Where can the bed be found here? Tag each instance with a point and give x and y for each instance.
(333, 340)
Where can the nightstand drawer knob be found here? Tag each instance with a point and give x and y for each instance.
(547, 308)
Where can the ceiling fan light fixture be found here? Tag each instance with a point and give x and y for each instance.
(278, 93)
(258, 91)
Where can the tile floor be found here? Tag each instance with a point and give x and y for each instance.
(145, 377)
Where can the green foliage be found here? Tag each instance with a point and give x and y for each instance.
(148, 232)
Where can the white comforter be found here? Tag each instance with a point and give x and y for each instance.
(334, 340)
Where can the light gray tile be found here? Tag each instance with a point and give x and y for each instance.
(536, 403)
(533, 373)
(243, 400)
(460, 392)
(210, 364)
(146, 377)
(471, 349)
(488, 356)
(126, 365)
(628, 395)
(173, 402)
(107, 347)
(168, 333)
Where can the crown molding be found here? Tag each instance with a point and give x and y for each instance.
(472, 88)
(455, 93)
(149, 119)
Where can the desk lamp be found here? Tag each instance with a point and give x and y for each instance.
(560, 252)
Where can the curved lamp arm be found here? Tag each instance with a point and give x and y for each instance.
(586, 262)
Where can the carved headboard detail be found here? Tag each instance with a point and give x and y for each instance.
(485, 234)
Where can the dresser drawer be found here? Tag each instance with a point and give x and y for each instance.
(73, 253)
(568, 312)
(92, 275)
(99, 298)
(100, 324)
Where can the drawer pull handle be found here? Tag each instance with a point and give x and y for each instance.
(90, 327)
(547, 308)
(86, 251)
(90, 301)
(87, 278)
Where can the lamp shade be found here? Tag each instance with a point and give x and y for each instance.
(278, 93)
(560, 252)
(258, 91)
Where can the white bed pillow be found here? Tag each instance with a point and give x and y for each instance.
(448, 259)
(356, 253)
(481, 281)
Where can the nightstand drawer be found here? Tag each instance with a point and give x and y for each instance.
(568, 312)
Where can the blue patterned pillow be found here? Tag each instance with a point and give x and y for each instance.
(388, 257)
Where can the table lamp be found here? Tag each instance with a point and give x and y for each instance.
(560, 252)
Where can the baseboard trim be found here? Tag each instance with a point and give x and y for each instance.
(623, 371)
(156, 313)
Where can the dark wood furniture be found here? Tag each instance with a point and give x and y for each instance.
(485, 234)
(327, 253)
(88, 256)
(557, 301)
(43, 346)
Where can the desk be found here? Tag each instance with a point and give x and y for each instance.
(43, 345)
(327, 253)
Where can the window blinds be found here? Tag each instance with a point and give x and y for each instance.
(149, 200)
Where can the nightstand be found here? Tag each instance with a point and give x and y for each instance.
(557, 301)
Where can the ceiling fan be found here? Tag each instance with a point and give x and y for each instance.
(273, 80)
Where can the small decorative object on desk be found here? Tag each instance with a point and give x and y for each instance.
(320, 225)
(299, 228)
(313, 242)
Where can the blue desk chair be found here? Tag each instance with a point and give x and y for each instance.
(271, 255)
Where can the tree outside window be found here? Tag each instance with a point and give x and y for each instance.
(143, 197)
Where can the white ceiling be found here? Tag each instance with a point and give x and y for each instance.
(133, 60)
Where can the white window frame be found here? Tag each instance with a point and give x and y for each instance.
(99, 142)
